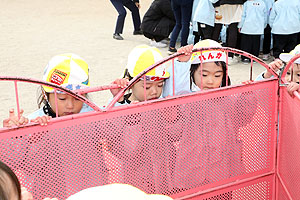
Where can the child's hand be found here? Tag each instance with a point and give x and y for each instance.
(187, 50)
(25, 195)
(247, 82)
(275, 66)
(43, 120)
(13, 120)
(122, 83)
(291, 87)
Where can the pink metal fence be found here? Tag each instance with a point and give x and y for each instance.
(218, 144)
(288, 154)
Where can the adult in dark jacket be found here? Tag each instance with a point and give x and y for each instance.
(158, 22)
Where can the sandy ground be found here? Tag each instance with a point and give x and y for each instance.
(33, 31)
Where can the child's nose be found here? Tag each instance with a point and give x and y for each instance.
(70, 103)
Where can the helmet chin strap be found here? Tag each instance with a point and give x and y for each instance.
(47, 107)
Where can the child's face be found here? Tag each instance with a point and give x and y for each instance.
(212, 76)
(293, 75)
(153, 90)
(67, 105)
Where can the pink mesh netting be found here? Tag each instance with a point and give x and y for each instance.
(289, 139)
(176, 147)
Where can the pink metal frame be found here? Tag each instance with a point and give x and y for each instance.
(271, 175)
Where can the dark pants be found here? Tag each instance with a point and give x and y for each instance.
(204, 32)
(119, 6)
(267, 40)
(157, 38)
(182, 12)
(250, 44)
(231, 35)
(283, 43)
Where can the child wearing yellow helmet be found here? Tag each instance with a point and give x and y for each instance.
(67, 70)
(139, 59)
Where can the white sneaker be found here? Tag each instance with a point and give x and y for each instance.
(165, 41)
(266, 57)
(157, 44)
(232, 61)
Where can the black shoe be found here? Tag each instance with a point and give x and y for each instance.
(117, 36)
(139, 32)
(172, 50)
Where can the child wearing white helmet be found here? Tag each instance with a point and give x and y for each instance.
(187, 69)
(139, 59)
(67, 70)
(293, 73)
(204, 155)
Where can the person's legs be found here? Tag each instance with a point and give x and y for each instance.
(122, 14)
(245, 44)
(232, 32)
(186, 13)
(177, 28)
(267, 40)
(216, 32)
(291, 42)
(255, 45)
(135, 14)
(278, 45)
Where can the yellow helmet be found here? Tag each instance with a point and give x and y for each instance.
(68, 70)
(207, 55)
(142, 57)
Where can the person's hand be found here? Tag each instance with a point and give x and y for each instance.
(25, 195)
(13, 120)
(187, 50)
(122, 83)
(43, 120)
(138, 5)
(247, 82)
(275, 66)
(292, 87)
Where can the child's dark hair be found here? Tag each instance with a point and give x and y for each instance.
(194, 67)
(5, 172)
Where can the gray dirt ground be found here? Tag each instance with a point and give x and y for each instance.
(33, 31)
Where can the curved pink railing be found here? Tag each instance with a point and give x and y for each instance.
(283, 81)
(172, 57)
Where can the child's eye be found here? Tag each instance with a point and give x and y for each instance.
(204, 75)
(288, 73)
(62, 99)
(160, 85)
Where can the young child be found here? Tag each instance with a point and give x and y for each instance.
(293, 74)
(68, 70)
(213, 143)
(251, 27)
(139, 59)
(187, 70)
(285, 23)
(10, 187)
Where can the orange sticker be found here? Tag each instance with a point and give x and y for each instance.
(58, 77)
